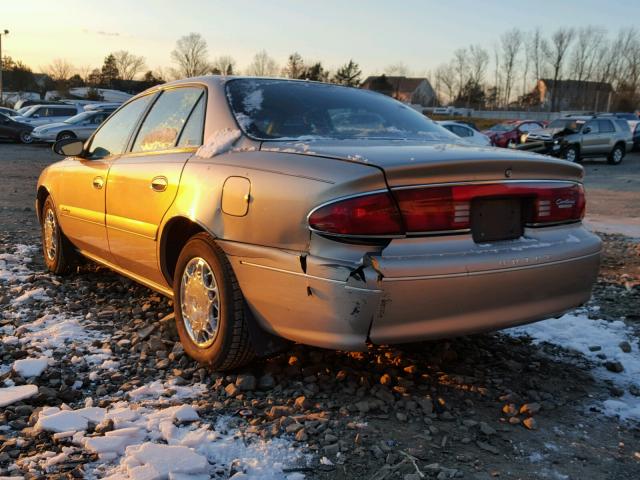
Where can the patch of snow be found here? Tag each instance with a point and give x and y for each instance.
(16, 394)
(220, 142)
(578, 332)
(37, 294)
(30, 367)
(13, 266)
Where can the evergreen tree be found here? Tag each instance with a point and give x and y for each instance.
(109, 71)
(295, 67)
(348, 74)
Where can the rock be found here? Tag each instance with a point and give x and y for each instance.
(331, 450)
(509, 409)
(301, 435)
(386, 379)
(487, 447)
(614, 366)
(595, 348)
(401, 416)
(231, 390)
(530, 408)
(530, 423)
(246, 383)
(278, 411)
(625, 347)
(486, 429)
(303, 403)
(266, 382)
(411, 476)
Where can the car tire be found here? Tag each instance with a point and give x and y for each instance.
(25, 137)
(65, 136)
(616, 155)
(59, 254)
(572, 154)
(204, 280)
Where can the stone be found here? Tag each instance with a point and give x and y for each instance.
(614, 366)
(231, 390)
(530, 423)
(331, 450)
(487, 447)
(625, 346)
(246, 383)
(486, 429)
(303, 403)
(530, 408)
(266, 382)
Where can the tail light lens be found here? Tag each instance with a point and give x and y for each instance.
(430, 210)
(370, 215)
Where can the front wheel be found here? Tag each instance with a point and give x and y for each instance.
(572, 154)
(59, 254)
(209, 306)
(25, 137)
(616, 155)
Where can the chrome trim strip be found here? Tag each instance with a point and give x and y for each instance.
(488, 272)
(305, 275)
(480, 182)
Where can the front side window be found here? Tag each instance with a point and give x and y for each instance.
(462, 131)
(269, 109)
(593, 126)
(112, 137)
(161, 128)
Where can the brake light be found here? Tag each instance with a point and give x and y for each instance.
(370, 215)
(438, 209)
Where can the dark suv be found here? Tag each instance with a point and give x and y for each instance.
(577, 137)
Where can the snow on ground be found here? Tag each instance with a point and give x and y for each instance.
(594, 338)
(148, 439)
(30, 367)
(11, 395)
(13, 266)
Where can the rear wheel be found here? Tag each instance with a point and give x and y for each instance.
(209, 306)
(572, 154)
(59, 254)
(25, 137)
(616, 155)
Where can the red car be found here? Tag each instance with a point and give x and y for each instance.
(511, 133)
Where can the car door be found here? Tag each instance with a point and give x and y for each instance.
(143, 183)
(88, 126)
(590, 138)
(80, 199)
(607, 136)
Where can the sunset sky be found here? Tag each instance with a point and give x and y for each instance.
(420, 34)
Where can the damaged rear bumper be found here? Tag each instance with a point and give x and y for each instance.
(416, 289)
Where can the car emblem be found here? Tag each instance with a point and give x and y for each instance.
(565, 203)
(507, 172)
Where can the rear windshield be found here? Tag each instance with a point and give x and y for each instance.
(566, 123)
(290, 110)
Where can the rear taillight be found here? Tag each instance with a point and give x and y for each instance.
(369, 215)
(439, 209)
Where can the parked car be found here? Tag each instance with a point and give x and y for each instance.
(636, 137)
(10, 128)
(30, 102)
(10, 112)
(291, 221)
(104, 107)
(512, 133)
(80, 126)
(44, 114)
(574, 138)
(466, 133)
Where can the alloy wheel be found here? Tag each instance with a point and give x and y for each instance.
(50, 234)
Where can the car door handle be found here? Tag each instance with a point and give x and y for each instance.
(98, 182)
(159, 184)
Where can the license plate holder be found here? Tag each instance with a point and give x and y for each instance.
(496, 219)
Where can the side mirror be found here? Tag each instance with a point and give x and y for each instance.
(69, 147)
(586, 130)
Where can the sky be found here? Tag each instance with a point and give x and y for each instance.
(376, 34)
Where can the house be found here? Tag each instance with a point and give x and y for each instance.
(576, 95)
(409, 90)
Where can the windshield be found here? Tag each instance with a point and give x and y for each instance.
(30, 111)
(79, 118)
(502, 127)
(294, 110)
(567, 123)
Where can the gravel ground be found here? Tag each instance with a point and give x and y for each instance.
(476, 407)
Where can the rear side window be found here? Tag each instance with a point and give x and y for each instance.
(461, 131)
(63, 112)
(165, 121)
(593, 125)
(606, 126)
(623, 125)
(191, 135)
(113, 135)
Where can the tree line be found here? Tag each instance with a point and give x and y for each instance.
(505, 75)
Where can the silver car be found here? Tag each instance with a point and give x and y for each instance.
(80, 126)
(328, 215)
(45, 114)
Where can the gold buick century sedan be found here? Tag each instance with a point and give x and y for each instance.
(326, 215)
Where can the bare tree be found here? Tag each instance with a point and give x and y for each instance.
(556, 53)
(129, 65)
(191, 56)
(537, 45)
(59, 69)
(223, 65)
(446, 75)
(511, 42)
(478, 61)
(263, 65)
(399, 69)
(461, 67)
(84, 71)
(497, 77)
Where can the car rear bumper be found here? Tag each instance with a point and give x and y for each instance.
(418, 289)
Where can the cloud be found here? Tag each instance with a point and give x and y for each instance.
(102, 32)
